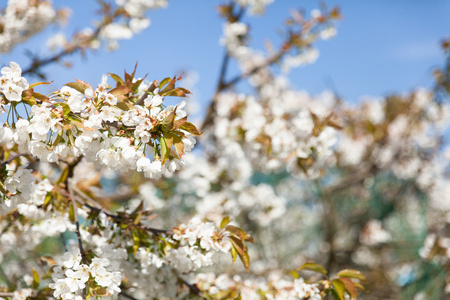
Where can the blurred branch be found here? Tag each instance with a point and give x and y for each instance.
(13, 158)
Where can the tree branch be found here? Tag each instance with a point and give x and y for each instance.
(193, 288)
(77, 224)
(13, 158)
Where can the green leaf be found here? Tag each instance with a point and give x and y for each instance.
(225, 222)
(360, 287)
(40, 97)
(71, 213)
(88, 85)
(189, 127)
(48, 197)
(339, 287)
(123, 106)
(135, 86)
(164, 82)
(178, 92)
(352, 274)
(165, 151)
(62, 178)
(136, 241)
(66, 109)
(79, 86)
(313, 267)
(233, 254)
(116, 78)
(35, 284)
(167, 123)
(241, 250)
(57, 140)
(175, 140)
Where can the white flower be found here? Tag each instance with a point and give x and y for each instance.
(75, 99)
(153, 101)
(71, 259)
(143, 164)
(328, 33)
(12, 84)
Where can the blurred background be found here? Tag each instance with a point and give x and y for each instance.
(381, 47)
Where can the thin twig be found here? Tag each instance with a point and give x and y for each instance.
(77, 224)
(13, 158)
(128, 296)
(193, 288)
(98, 207)
(157, 231)
(63, 241)
(92, 202)
(6, 294)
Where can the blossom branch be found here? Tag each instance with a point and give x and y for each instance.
(98, 207)
(80, 45)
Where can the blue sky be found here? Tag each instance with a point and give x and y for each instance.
(382, 46)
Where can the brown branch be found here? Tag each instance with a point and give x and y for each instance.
(157, 231)
(95, 205)
(77, 224)
(193, 288)
(98, 207)
(78, 46)
(267, 63)
(126, 295)
(6, 294)
(13, 158)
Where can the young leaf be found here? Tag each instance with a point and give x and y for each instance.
(233, 254)
(88, 85)
(352, 274)
(225, 222)
(174, 139)
(178, 92)
(165, 151)
(116, 78)
(170, 86)
(40, 97)
(313, 267)
(339, 287)
(79, 86)
(189, 127)
(164, 82)
(136, 85)
(177, 124)
(62, 178)
(35, 283)
(349, 286)
(167, 123)
(120, 90)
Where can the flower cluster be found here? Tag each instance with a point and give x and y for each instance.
(256, 6)
(72, 276)
(135, 22)
(275, 288)
(105, 126)
(12, 83)
(22, 19)
(279, 128)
